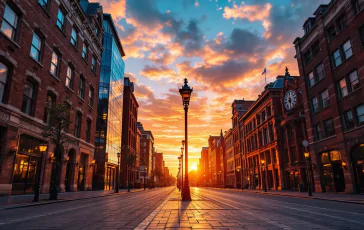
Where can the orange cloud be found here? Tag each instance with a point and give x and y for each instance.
(251, 13)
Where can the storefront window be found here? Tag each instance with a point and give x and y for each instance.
(25, 169)
(26, 163)
(332, 172)
(335, 156)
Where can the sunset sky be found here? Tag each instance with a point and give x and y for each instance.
(221, 46)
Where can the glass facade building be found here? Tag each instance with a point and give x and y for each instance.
(109, 122)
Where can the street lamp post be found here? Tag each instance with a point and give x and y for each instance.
(264, 181)
(307, 157)
(145, 175)
(182, 149)
(117, 173)
(42, 149)
(186, 92)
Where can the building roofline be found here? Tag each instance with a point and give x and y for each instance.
(108, 18)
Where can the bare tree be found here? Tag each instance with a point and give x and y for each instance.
(58, 119)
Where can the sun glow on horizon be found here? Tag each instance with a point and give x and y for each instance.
(193, 168)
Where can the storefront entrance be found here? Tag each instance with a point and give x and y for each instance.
(357, 156)
(293, 180)
(82, 172)
(70, 169)
(25, 167)
(332, 172)
(109, 178)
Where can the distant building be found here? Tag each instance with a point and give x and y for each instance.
(230, 159)
(204, 165)
(238, 108)
(159, 167)
(214, 161)
(146, 152)
(222, 170)
(110, 106)
(260, 139)
(137, 162)
(129, 139)
(330, 59)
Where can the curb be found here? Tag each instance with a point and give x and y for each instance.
(310, 198)
(287, 195)
(61, 201)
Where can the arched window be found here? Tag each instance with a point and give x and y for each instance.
(3, 80)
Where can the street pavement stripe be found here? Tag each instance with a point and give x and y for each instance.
(144, 224)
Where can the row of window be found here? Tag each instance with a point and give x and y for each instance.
(320, 102)
(348, 84)
(28, 107)
(339, 25)
(341, 54)
(328, 131)
(331, 33)
(348, 119)
(10, 27)
(264, 137)
(260, 118)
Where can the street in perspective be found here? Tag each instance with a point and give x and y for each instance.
(181, 114)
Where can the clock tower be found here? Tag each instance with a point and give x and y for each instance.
(293, 128)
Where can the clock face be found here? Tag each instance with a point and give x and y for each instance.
(290, 99)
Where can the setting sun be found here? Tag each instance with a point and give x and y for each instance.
(193, 168)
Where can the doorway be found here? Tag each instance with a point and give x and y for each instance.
(358, 167)
(70, 169)
(82, 172)
(332, 177)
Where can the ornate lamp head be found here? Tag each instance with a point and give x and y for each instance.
(186, 92)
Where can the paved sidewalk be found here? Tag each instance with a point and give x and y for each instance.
(199, 213)
(27, 200)
(339, 197)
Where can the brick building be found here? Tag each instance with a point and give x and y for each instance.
(230, 160)
(137, 160)
(214, 161)
(222, 171)
(110, 105)
(50, 52)
(204, 166)
(146, 153)
(293, 133)
(260, 139)
(159, 168)
(130, 117)
(238, 108)
(330, 60)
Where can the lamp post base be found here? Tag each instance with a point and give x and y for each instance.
(186, 194)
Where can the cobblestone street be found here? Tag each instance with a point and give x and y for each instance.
(162, 208)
